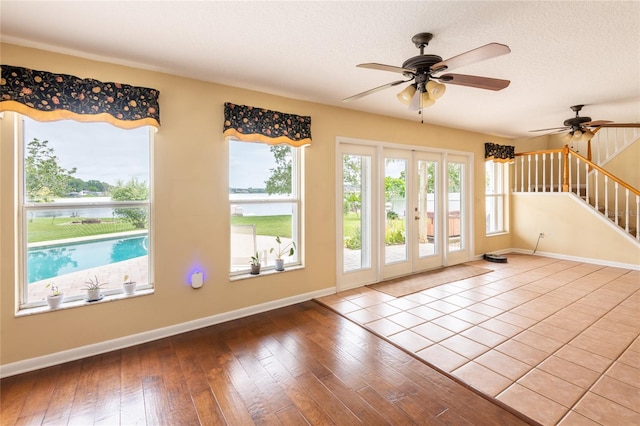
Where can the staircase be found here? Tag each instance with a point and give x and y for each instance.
(565, 170)
(609, 142)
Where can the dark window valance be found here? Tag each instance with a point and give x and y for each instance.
(46, 96)
(251, 124)
(499, 153)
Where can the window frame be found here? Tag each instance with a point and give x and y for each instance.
(295, 199)
(23, 207)
(499, 178)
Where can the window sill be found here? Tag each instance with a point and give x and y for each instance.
(80, 303)
(268, 272)
(497, 234)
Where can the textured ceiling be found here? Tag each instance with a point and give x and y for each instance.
(563, 53)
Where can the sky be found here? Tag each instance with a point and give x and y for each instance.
(99, 151)
(249, 164)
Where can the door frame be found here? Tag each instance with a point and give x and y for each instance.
(345, 281)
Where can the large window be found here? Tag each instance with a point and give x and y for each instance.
(85, 203)
(264, 202)
(494, 193)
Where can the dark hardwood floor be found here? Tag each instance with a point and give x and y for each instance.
(303, 364)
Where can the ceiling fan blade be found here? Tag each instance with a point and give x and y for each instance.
(618, 125)
(474, 81)
(384, 67)
(487, 51)
(374, 90)
(597, 123)
(558, 129)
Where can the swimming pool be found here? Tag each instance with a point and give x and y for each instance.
(51, 261)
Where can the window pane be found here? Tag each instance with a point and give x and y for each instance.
(65, 159)
(455, 197)
(396, 210)
(494, 190)
(256, 231)
(87, 190)
(263, 200)
(357, 212)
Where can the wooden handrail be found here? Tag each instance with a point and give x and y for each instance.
(565, 175)
(544, 151)
(604, 172)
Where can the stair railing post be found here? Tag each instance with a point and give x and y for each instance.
(565, 168)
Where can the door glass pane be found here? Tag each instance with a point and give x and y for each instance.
(454, 209)
(395, 184)
(426, 213)
(356, 232)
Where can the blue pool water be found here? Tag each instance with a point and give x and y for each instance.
(51, 261)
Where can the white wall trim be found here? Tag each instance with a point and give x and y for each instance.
(31, 364)
(632, 266)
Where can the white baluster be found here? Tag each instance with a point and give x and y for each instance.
(536, 190)
(586, 178)
(578, 192)
(570, 177)
(515, 176)
(521, 174)
(626, 210)
(637, 217)
(606, 196)
(596, 180)
(559, 172)
(615, 201)
(529, 174)
(544, 172)
(551, 172)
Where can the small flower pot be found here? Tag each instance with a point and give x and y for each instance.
(54, 302)
(255, 269)
(279, 264)
(129, 288)
(93, 295)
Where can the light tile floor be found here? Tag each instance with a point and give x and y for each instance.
(556, 340)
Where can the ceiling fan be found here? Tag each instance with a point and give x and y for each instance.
(424, 71)
(579, 128)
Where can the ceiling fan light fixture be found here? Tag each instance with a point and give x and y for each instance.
(435, 89)
(568, 137)
(407, 94)
(587, 135)
(426, 100)
(577, 135)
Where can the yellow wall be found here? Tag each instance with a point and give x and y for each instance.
(191, 210)
(625, 165)
(570, 229)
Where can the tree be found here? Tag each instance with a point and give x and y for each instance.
(394, 188)
(45, 179)
(280, 180)
(133, 190)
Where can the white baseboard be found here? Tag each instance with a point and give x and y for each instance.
(632, 266)
(31, 364)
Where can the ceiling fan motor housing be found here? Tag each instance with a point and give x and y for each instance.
(422, 66)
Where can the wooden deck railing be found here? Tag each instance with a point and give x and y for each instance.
(564, 170)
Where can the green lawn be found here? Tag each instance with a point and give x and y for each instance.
(351, 222)
(266, 225)
(47, 229)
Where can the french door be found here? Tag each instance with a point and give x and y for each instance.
(400, 211)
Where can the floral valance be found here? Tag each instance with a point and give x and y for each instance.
(46, 96)
(251, 124)
(499, 153)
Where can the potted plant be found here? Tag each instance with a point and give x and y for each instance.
(128, 286)
(287, 249)
(55, 298)
(93, 289)
(255, 264)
